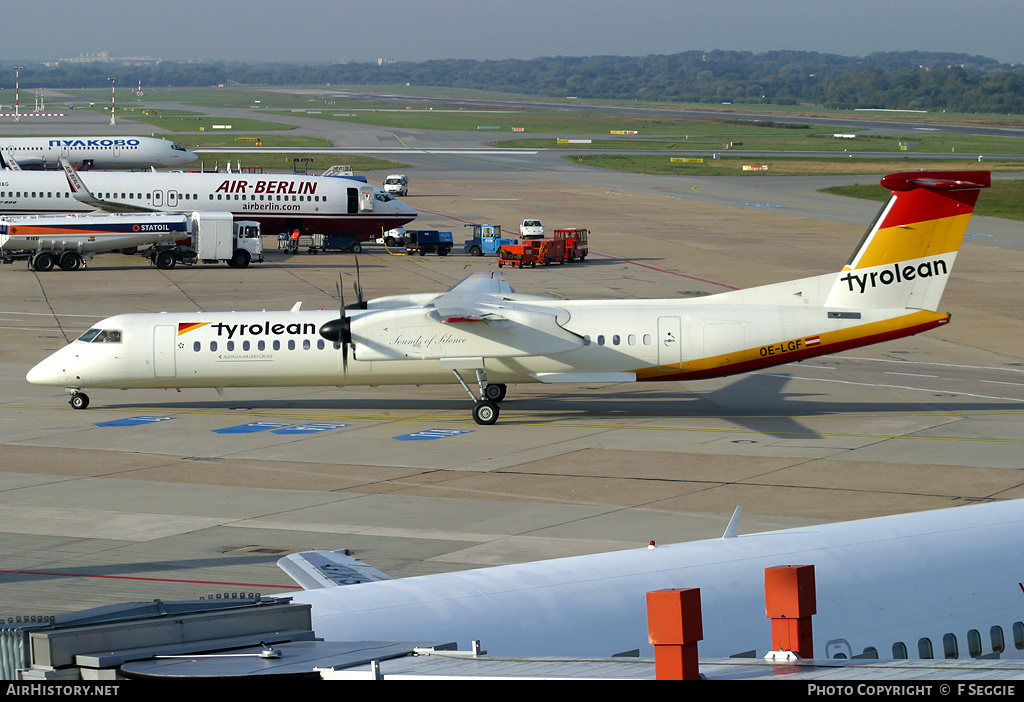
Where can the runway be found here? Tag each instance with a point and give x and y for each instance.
(158, 494)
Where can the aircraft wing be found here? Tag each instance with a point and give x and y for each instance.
(478, 318)
(81, 193)
(314, 570)
(482, 295)
(486, 282)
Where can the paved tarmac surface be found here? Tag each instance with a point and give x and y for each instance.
(174, 509)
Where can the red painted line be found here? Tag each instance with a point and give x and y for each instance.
(155, 580)
(662, 270)
(624, 260)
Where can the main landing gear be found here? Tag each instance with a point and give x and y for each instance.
(485, 408)
(78, 400)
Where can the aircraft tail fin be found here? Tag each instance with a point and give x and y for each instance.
(78, 189)
(82, 194)
(906, 255)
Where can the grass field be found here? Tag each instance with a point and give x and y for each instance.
(733, 163)
(282, 163)
(773, 140)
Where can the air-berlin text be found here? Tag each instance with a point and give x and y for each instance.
(268, 187)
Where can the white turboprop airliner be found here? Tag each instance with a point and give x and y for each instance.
(93, 152)
(889, 289)
(938, 584)
(280, 203)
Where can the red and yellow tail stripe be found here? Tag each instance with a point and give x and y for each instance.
(927, 216)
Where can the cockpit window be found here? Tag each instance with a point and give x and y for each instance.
(101, 336)
(177, 147)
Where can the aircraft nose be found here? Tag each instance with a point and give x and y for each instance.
(55, 369)
(46, 372)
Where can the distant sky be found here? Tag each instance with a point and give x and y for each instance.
(418, 30)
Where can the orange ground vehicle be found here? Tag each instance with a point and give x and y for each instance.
(530, 252)
(576, 247)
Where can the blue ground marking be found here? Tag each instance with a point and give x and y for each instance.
(132, 421)
(431, 434)
(310, 428)
(251, 428)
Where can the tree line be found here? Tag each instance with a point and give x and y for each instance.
(891, 80)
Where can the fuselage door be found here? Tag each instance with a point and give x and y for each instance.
(158, 198)
(172, 198)
(670, 344)
(366, 198)
(164, 339)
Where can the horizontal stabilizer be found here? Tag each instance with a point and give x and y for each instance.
(315, 570)
(938, 180)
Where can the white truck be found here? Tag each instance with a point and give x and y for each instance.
(65, 241)
(397, 184)
(213, 237)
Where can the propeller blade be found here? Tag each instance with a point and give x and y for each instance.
(357, 286)
(339, 331)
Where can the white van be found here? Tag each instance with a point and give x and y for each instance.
(397, 184)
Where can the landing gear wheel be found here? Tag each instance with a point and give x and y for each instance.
(79, 400)
(485, 412)
(495, 392)
(70, 261)
(44, 262)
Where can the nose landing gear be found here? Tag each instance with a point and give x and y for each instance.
(78, 400)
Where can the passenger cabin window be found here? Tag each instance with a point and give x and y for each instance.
(899, 650)
(998, 643)
(950, 649)
(924, 648)
(973, 643)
